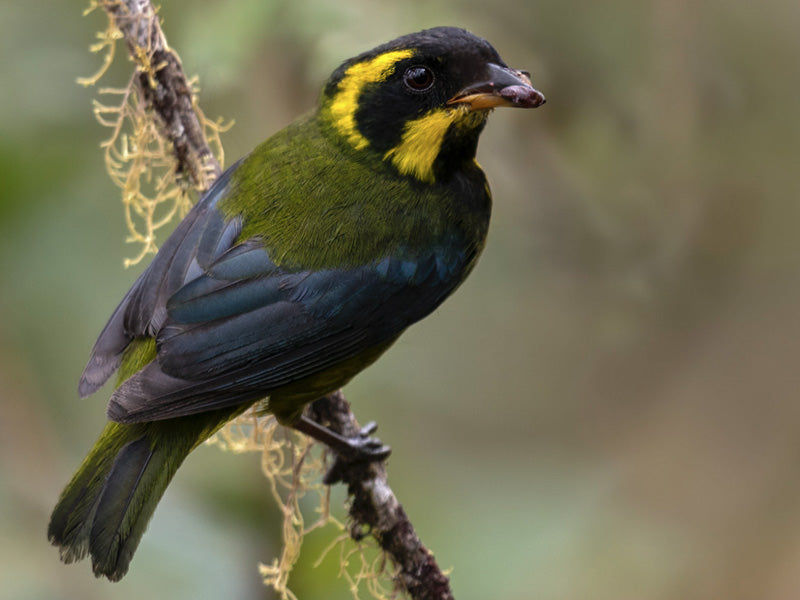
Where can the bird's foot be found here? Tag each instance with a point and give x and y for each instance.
(360, 448)
(364, 448)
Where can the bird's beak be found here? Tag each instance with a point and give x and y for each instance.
(503, 87)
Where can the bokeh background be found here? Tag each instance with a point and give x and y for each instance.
(607, 409)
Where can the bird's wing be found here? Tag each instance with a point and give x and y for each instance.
(197, 241)
(246, 327)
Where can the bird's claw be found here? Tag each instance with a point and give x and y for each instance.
(366, 449)
(361, 448)
(368, 429)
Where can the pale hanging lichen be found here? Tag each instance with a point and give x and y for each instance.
(293, 464)
(292, 470)
(137, 156)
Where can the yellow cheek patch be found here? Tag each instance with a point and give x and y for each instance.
(345, 104)
(422, 140)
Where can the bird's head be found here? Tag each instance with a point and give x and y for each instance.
(421, 101)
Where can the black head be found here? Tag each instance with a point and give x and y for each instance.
(421, 94)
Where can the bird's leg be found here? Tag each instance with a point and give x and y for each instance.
(360, 448)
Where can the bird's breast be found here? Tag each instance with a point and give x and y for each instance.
(314, 206)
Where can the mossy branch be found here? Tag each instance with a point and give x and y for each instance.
(162, 87)
(165, 88)
(376, 511)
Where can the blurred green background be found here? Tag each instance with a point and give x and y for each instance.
(607, 409)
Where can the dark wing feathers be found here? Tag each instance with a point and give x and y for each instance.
(207, 350)
(178, 262)
(106, 354)
(152, 394)
(196, 241)
(207, 299)
(209, 357)
(231, 326)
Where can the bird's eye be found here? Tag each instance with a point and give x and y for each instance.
(418, 78)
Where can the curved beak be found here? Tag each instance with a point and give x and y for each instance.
(503, 87)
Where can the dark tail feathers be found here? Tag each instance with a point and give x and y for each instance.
(105, 508)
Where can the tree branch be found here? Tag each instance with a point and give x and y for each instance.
(375, 509)
(165, 89)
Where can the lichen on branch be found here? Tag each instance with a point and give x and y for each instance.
(157, 151)
(293, 465)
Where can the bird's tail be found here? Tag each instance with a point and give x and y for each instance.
(105, 508)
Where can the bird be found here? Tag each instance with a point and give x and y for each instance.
(301, 264)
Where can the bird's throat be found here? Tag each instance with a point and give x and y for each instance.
(424, 141)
